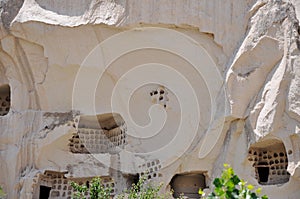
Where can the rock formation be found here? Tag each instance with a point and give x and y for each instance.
(171, 88)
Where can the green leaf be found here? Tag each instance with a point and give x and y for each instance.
(242, 183)
(219, 191)
(201, 192)
(230, 185)
(226, 187)
(226, 165)
(258, 191)
(236, 180)
(250, 187)
(235, 193)
(253, 196)
(217, 182)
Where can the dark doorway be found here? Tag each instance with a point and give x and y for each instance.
(131, 179)
(263, 173)
(4, 99)
(187, 184)
(44, 192)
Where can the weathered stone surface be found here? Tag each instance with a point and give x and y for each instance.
(209, 82)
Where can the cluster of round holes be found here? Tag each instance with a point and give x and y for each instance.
(111, 184)
(160, 96)
(45, 181)
(267, 156)
(95, 140)
(61, 188)
(117, 137)
(151, 169)
(98, 141)
(76, 145)
(276, 160)
(4, 104)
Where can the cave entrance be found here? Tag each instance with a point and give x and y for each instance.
(132, 179)
(44, 192)
(187, 184)
(4, 99)
(270, 161)
(263, 173)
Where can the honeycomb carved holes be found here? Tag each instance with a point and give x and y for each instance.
(270, 164)
(160, 96)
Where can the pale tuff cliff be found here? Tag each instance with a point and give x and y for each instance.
(205, 82)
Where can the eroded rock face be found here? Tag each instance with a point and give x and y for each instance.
(173, 88)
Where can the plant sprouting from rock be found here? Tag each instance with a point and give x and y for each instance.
(2, 194)
(230, 186)
(96, 190)
(143, 190)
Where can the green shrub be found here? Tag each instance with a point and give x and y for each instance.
(2, 194)
(230, 186)
(96, 190)
(141, 190)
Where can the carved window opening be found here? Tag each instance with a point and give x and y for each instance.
(4, 99)
(187, 184)
(151, 169)
(105, 133)
(160, 96)
(44, 192)
(270, 161)
(263, 173)
(131, 179)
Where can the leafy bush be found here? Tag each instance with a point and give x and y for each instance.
(96, 190)
(230, 186)
(141, 190)
(2, 194)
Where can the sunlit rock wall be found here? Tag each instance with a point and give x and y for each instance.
(170, 88)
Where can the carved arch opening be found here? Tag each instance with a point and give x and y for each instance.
(188, 184)
(269, 158)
